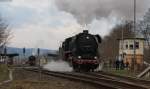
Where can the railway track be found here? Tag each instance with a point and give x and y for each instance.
(121, 78)
(102, 82)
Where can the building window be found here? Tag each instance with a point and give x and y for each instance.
(126, 46)
(137, 45)
(131, 46)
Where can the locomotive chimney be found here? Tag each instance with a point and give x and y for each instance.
(85, 31)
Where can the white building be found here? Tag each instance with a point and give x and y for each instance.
(126, 48)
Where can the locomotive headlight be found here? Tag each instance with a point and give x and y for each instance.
(87, 37)
(95, 57)
(79, 57)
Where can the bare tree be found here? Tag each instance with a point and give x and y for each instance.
(4, 33)
(144, 28)
(110, 45)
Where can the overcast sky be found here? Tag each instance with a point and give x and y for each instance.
(46, 23)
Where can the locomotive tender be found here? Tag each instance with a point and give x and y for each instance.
(81, 51)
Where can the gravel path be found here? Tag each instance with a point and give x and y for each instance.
(30, 80)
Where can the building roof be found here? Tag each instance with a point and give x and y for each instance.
(10, 55)
(53, 55)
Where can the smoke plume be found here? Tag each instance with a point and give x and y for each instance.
(85, 11)
(60, 66)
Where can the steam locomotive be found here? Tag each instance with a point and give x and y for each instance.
(81, 51)
(31, 61)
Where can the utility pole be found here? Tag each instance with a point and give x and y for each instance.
(24, 52)
(5, 55)
(38, 52)
(134, 56)
(147, 35)
(122, 44)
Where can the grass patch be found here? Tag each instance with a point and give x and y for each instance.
(3, 72)
(28, 84)
(124, 72)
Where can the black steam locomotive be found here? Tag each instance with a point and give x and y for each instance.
(31, 61)
(81, 51)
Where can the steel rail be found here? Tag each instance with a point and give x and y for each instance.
(122, 78)
(103, 83)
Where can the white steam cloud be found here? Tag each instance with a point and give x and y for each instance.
(85, 11)
(60, 66)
